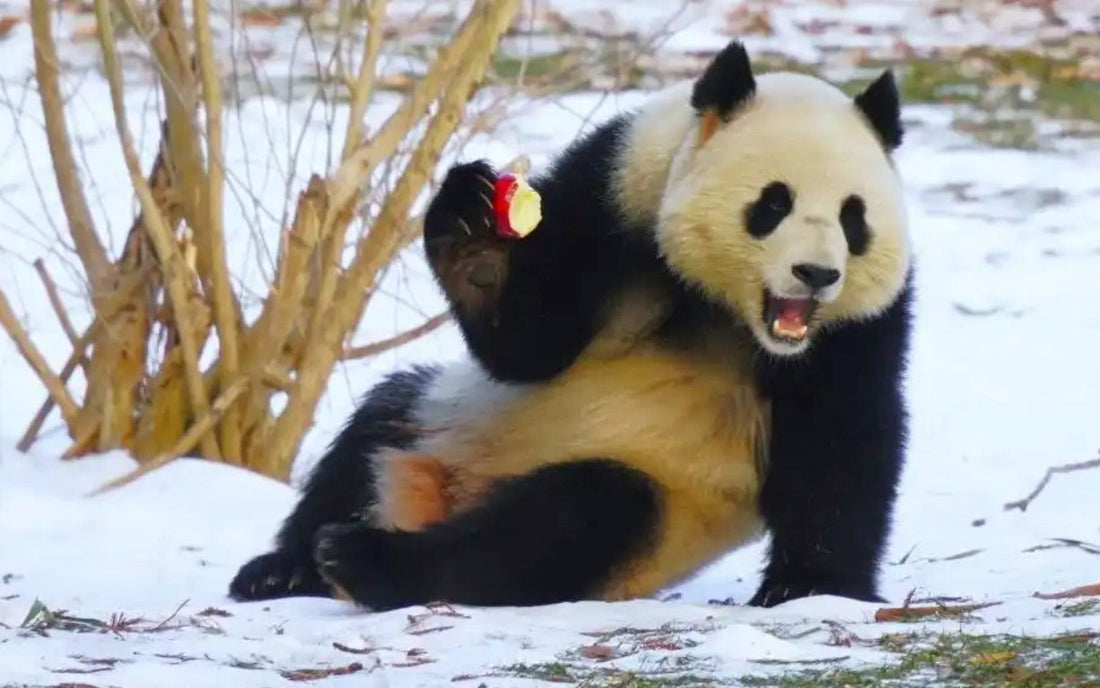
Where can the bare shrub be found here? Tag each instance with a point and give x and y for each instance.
(168, 296)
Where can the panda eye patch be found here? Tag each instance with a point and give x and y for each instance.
(853, 219)
(764, 214)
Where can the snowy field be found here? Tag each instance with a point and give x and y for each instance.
(1004, 383)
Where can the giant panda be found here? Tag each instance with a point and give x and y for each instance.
(704, 341)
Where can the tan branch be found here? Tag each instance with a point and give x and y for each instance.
(55, 302)
(463, 51)
(77, 355)
(171, 261)
(109, 307)
(382, 345)
(90, 250)
(212, 230)
(37, 362)
(457, 70)
(189, 439)
(364, 83)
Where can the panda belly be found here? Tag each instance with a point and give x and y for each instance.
(695, 426)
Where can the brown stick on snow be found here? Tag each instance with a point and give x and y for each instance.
(1023, 504)
(375, 348)
(1082, 591)
(34, 358)
(88, 247)
(185, 443)
(173, 267)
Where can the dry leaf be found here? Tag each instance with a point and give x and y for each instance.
(598, 652)
(7, 24)
(988, 658)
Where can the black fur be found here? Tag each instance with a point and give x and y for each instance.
(552, 535)
(762, 216)
(835, 457)
(853, 220)
(338, 489)
(726, 83)
(527, 307)
(881, 105)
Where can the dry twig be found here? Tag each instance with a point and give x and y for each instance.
(375, 348)
(1023, 504)
(37, 361)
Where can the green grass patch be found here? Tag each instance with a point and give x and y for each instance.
(964, 660)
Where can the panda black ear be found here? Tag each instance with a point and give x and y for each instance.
(726, 83)
(881, 105)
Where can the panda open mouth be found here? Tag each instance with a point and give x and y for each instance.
(788, 320)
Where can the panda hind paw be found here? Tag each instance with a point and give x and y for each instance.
(274, 575)
(775, 592)
(373, 568)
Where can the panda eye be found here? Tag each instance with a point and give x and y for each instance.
(854, 222)
(763, 215)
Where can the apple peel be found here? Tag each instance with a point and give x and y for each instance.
(517, 206)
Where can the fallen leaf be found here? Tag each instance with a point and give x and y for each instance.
(8, 23)
(987, 658)
(598, 652)
(315, 674)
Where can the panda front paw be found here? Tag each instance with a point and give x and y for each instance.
(776, 591)
(277, 574)
(460, 238)
(374, 568)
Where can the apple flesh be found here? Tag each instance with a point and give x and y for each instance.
(517, 206)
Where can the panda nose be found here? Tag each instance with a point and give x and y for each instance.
(815, 276)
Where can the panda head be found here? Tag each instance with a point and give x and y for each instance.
(781, 199)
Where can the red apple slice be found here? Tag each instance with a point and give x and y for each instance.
(517, 206)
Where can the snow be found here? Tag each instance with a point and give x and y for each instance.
(1004, 383)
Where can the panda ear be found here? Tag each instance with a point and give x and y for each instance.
(881, 105)
(726, 83)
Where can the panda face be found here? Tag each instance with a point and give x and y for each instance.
(790, 212)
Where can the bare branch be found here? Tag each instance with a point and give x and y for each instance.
(1023, 504)
(189, 439)
(55, 302)
(382, 345)
(171, 261)
(457, 70)
(88, 246)
(75, 358)
(364, 82)
(212, 231)
(34, 358)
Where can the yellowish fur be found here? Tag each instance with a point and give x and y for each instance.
(692, 421)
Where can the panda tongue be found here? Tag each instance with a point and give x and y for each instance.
(791, 320)
(792, 313)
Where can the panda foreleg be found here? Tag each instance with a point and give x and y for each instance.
(836, 453)
(526, 307)
(552, 535)
(339, 489)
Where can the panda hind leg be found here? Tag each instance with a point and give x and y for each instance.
(555, 534)
(339, 490)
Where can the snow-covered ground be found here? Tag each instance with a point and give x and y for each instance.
(1004, 382)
